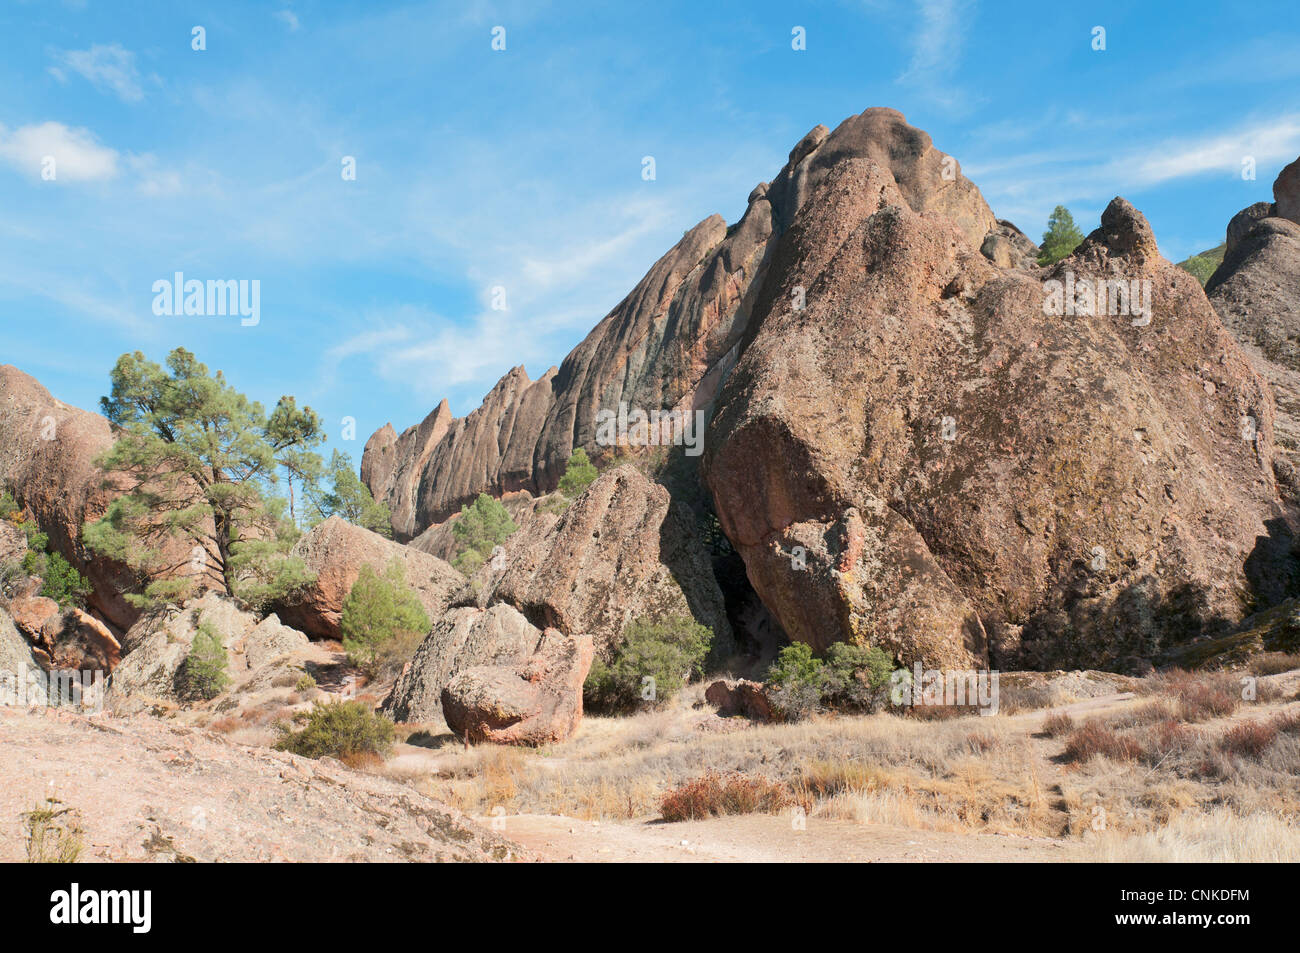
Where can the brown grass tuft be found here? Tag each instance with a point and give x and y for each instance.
(714, 795)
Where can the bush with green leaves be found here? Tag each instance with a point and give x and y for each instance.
(651, 665)
(351, 499)
(203, 676)
(478, 530)
(339, 730)
(579, 473)
(848, 678)
(383, 620)
(63, 583)
(8, 506)
(1061, 238)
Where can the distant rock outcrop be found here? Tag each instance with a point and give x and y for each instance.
(335, 551)
(621, 551)
(668, 344)
(1256, 291)
(535, 702)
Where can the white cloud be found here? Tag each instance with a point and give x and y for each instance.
(937, 44)
(110, 68)
(77, 154)
(289, 19)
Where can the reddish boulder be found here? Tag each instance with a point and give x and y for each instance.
(335, 551)
(536, 702)
(740, 697)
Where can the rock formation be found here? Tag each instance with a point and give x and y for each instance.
(463, 638)
(335, 551)
(620, 552)
(1256, 291)
(667, 345)
(535, 702)
(923, 458)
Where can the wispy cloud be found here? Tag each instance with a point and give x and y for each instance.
(109, 67)
(289, 19)
(936, 47)
(77, 156)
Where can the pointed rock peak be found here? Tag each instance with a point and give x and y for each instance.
(814, 138)
(381, 437)
(1125, 230)
(760, 191)
(1286, 192)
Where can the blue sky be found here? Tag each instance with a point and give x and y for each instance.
(522, 168)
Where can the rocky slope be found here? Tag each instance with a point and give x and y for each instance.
(145, 790)
(668, 344)
(1256, 291)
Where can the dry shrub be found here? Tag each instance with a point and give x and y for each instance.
(981, 742)
(362, 760)
(1249, 739)
(1095, 738)
(715, 795)
(225, 725)
(1166, 738)
(1274, 663)
(1198, 696)
(1054, 726)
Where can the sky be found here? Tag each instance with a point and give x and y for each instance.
(521, 168)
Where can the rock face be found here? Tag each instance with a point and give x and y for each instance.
(535, 702)
(47, 450)
(1008, 247)
(667, 345)
(463, 638)
(159, 642)
(439, 540)
(30, 614)
(73, 640)
(335, 551)
(15, 653)
(923, 458)
(1254, 291)
(619, 552)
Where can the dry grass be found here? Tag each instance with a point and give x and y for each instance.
(1058, 724)
(1094, 739)
(1218, 836)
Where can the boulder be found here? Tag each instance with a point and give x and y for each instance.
(75, 640)
(929, 456)
(47, 454)
(159, 642)
(620, 552)
(1008, 247)
(1286, 192)
(535, 702)
(335, 551)
(1245, 221)
(461, 639)
(668, 345)
(31, 613)
(740, 697)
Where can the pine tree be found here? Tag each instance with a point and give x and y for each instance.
(351, 499)
(198, 461)
(1061, 238)
(579, 473)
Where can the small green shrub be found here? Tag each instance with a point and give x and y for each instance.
(8, 505)
(63, 583)
(849, 678)
(340, 730)
(382, 614)
(479, 529)
(653, 663)
(203, 676)
(579, 473)
(305, 684)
